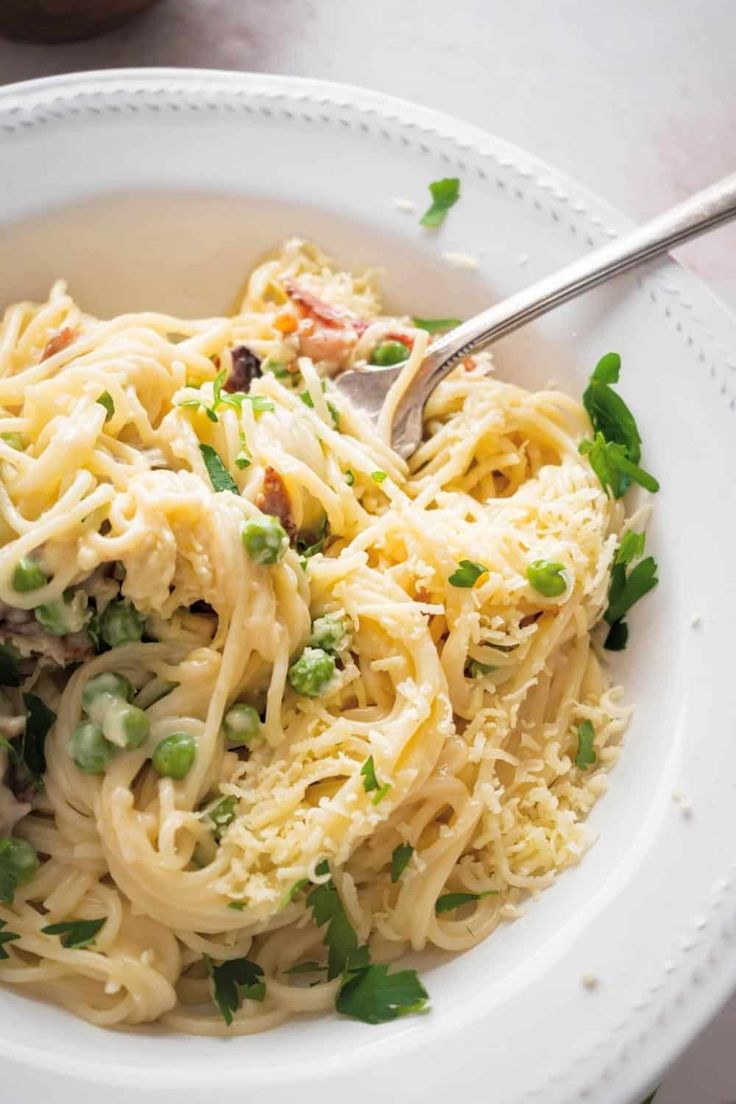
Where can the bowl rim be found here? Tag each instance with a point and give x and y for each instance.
(50, 95)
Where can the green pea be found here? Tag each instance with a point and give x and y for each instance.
(89, 749)
(241, 724)
(312, 671)
(28, 575)
(546, 576)
(68, 614)
(20, 858)
(109, 684)
(125, 725)
(329, 632)
(15, 440)
(121, 623)
(387, 353)
(264, 539)
(174, 756)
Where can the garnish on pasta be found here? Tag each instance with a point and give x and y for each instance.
(247, 653)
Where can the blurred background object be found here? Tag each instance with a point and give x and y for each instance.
(65, 20)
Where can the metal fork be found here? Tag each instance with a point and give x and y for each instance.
(368, 387)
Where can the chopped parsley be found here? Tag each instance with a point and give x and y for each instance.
(28, 751)
(233, 399)
(371, 783)
(220, 477)
(75, 934)
(237, 906)
(379, 476)
(435, 325)
(234, 981)
(349, 477)
(293, 891)
(305, 549)
(467, 574)
(586, 755)
(627, 586)
(375, 996)
(6, 937)
(615, 450)
(369, 992)
(400, 859)
(340, 936)
(450, 901)
(445, 194)
(106, 400)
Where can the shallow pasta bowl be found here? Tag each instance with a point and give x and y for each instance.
(160, 189)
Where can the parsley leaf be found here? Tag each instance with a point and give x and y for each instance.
(467, 574)
(232, 981)
(293, 891)
(349, 477)
(75, 933)
(626, 591)
(400, 859)
(379, 476)
(607, 410)
(238, 906)
(449, 901)
(615, 471)
(376, 996)
(307, 399)
(627, 588)
(32, 744)
(445, 193)
(9, 675)
(234, 399)
(259, 403)
(340, 937)
(586, 755)
(6, 937)
(220, 477)
(370, 781)
(435, 325)
(618, 637)
(615, 450)
(630, 548)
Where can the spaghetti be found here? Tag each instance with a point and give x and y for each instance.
(370, 688)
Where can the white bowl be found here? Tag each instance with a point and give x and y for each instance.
(161, 188)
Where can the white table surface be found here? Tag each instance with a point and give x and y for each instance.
(635, 98)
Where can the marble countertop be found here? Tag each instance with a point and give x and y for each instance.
(636, 100)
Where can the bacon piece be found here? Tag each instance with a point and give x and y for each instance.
(404, 339)
(529, 619)
(246, 367)
(318, 308)
(273, 499)
(59, 341)
(326, 343)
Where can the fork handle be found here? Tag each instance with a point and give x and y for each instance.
(703, 211)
